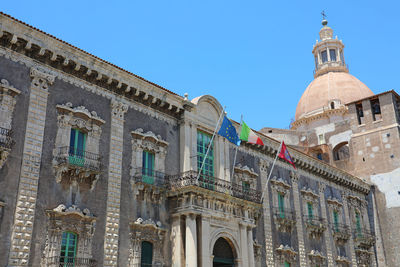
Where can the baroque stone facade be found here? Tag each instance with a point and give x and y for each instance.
(110, 175)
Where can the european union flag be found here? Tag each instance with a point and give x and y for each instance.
(228, 131)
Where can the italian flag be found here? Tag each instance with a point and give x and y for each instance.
(246, 134)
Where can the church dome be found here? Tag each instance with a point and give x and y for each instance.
(331, 86)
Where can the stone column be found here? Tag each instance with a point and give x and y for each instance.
(244, 244)
(299, 224)
(177, 247)
(350, 222)
(28, 182)
(269, 248)
(329, 56)
(191, 241)
(205, 241)
(327, 236)
(114, 184)
(251, 246)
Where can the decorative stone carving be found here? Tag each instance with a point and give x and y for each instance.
(363, 257)
(257, 252)
(141, 141)
(316, 258)
(150, 231)
(285, 253)
(316, 225)
(342, 261)
(284, 222)
(264, 166)
(118, 109)
(7, 105)
(41, 79)
(73, 219)
(88, 167)
(244, 174)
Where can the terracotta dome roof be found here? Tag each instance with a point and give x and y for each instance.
(331, 86)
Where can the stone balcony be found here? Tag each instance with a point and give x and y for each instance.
(70, 262)
(340, 232)
(6, 143)
(149, 184)
(284, 219)
(82, 166)
(363, 239)
(193, 179)
(315, 226)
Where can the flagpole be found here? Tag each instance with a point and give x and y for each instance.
(237, 146)
(270, 172)
(209, 145)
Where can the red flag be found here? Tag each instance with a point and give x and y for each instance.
(284, 154)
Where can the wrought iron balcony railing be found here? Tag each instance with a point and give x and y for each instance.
(149, 176)
(363, 238)
(189, 178)
(5, 138)
(70, 262)
(284, 213)
(340, 228)
(314, 220)
(79, 158)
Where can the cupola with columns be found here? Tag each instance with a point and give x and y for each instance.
(328, 53)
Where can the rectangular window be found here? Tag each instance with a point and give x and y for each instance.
(68, 249)
(358, 224)
(310, 210)
(281, 204)
(324, 56)
(246, 186)
(77, 145)
(332, 54)
(360, 113)
(287, 264)
(148, 167)
(207, 173)
(376, 109)
(336, 221)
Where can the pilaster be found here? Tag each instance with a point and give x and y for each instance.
(269, 249)
(177, 244)
(299, 224)
(251, 246)
(205, 241)
(114, 184)
(349, 221)
(191, 241)
(32, 155)
(327, 236)
(244, 245)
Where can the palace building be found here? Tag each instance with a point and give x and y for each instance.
(100, 167)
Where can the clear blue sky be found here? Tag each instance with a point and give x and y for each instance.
(253, 56)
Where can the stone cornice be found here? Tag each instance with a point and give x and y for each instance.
(5, 87)
(42, 47)
(80, 112)
(323, 114)
(310, 165)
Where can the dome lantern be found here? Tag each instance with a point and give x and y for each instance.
(328, 53)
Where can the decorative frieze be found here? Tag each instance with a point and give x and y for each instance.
(244, 175)
(342, 261)
(364, 258)
(149, 231)
(316, 258)
(30, 168)
(72, 219)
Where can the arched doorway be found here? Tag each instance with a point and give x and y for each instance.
(223, 254)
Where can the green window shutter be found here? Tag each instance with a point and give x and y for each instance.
(336, 221)
(77, 146)
(148, 167)
(310, 210)
(358, 223)
(281, 204)
(207, 173)
(147, 254)
(246, 186)
(287, 264)
(68, 249)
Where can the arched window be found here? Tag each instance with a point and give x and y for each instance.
(69, 243)
(341, 151)
(147, 254)
(332, 105)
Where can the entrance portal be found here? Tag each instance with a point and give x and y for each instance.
(223, 254)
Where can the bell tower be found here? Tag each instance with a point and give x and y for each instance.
(328, 52)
